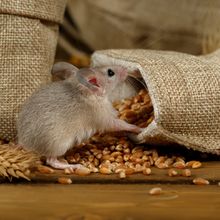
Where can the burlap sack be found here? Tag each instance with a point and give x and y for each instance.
(190, 26)
(28, 38)
(185, 92)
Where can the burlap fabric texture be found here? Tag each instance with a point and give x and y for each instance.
(28, 38)
(190, 26)
(185, 92)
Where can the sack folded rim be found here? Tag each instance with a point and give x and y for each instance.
(49, 10)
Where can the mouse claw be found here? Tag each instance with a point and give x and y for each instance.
(136, 129)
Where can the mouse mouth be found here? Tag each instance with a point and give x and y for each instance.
(94, 82)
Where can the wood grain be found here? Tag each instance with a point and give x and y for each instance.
(108, 201)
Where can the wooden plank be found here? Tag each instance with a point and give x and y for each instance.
(210, 171)
(107, 201)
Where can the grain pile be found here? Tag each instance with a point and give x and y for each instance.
(115, 153)
(108, 154)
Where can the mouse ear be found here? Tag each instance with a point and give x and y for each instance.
(63, 70)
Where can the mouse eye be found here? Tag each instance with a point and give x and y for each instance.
(110, 73)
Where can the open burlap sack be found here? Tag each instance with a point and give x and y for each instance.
(28, 38)
(185, 92)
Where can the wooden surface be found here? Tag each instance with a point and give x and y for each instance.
(108, 201)
(209, 170)
(97, 199)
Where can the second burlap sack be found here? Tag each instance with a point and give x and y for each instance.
(28, 39)
(185, 92)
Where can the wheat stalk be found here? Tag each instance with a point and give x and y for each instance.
(16, 162)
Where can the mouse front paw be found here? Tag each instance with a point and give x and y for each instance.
(120, 125)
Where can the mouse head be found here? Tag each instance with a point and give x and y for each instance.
(98, 80)
(110, 76)
(103, 80)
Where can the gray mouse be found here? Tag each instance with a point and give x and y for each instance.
(67, 112)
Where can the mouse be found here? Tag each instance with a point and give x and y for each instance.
(65, 113)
